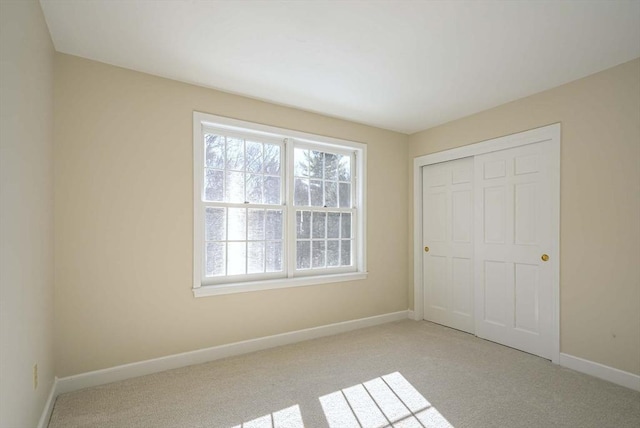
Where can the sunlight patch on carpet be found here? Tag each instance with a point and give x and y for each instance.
(383, 402)
(285, 418)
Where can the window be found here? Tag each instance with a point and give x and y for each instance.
(274, 208)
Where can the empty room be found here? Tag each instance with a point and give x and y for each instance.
(288, 214)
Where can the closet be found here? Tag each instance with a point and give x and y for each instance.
(489, 239)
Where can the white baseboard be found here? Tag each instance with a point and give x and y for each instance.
(48, 406)
(619, 377)
(141, 368)
(412, 315)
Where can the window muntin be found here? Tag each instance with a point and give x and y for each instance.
(247, 216)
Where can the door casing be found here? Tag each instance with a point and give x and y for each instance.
(550, 133)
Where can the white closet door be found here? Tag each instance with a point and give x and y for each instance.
(448, 241)
(513, 283)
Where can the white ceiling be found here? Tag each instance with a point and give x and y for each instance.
(399, 65)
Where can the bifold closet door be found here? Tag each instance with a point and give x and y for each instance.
(448, 243)
(513, 275)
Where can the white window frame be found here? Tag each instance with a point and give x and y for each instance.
(290, 277)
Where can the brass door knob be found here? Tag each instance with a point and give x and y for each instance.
(426, 249)
(544, 257)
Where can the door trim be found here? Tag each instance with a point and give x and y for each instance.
(546, 133)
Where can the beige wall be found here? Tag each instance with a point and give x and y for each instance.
(123, 222)
(26, 222)
(123, 213)
(600, 203)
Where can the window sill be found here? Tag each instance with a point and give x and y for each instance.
(243, 287)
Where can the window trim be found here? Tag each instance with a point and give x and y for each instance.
(204, 121)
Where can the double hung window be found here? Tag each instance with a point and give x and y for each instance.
(274, 208)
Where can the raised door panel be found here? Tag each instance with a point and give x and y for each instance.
(436, 227)
(494, 287)
(495, 226)
(525, 215)
(462, 212)
(527, 298)
(438, 282)
(462, 286)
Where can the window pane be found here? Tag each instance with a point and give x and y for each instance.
(301, 163)
(333, 253)
(318, 229)
(344, 168)
(214, 263)
(316, 164)
(333, 225)
(346, 225)
(301, 192)
(330, 194)
(316, 187)
(330, 166)
(237, 224)
(273, 228)
(303, 224)
(235, 154)
(256, 257)
(318, 254)
(274, 256)
(214, 151)
(303, 254)
(236, 258)
(271, 190)
(256, 225)
(214, 224)
(271, 159)
(345, 253)
(213, 185)
(254, 157)
(254, 188)
(235, 187)
(345, 195)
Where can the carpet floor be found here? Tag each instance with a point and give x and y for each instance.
(359, 379)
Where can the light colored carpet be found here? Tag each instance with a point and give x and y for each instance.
(470, 382)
